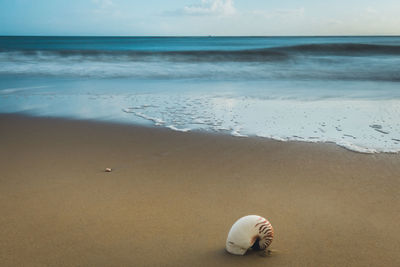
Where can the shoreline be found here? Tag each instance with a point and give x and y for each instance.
(172, 129)
(172, 197)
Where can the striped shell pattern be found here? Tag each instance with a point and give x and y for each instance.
(246, 231)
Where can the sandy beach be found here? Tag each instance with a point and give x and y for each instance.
(172, 197)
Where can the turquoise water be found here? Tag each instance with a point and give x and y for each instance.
(316, 89)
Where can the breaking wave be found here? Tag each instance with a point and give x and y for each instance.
(250, 55)
(332, 61)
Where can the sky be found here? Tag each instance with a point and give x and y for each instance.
(199, 17)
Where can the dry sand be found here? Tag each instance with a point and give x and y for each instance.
(172, 198)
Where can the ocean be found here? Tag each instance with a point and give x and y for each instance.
(343, 90)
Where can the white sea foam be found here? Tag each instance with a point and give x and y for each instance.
(6, 91)
(172, 127)
(157, 121)
(366, 126)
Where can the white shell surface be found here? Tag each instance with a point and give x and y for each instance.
(245, 231)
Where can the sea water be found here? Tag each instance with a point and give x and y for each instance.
(344, 90)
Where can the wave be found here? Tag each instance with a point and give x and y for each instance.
(251, 55)
(349, 49)
(311, 62)
(173, 56)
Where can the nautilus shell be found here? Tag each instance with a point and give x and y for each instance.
(249, 231)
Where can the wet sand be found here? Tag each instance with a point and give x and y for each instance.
(172, 198)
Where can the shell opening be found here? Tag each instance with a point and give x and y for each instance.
(256, 245)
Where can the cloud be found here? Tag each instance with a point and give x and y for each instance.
(208, 8)
(371, 11)
(281, 13)
(103, 6)
(106, 7)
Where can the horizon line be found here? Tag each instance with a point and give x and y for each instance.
(208, 36)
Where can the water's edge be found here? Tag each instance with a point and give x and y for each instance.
(350, 148)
